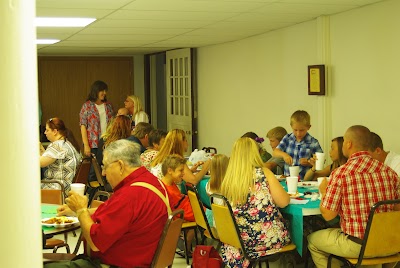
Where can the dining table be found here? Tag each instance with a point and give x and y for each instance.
(295, 212)
(50, 211)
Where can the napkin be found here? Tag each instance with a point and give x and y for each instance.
(298, 201)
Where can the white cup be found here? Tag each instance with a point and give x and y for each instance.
(319, 164)
(78, 188)
(294, 171)
(292, 184)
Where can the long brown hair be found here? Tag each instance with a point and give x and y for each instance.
(120, 128)
(342, 159)
(57, 123)
(173, 144)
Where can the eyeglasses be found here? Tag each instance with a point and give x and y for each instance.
(104, 167)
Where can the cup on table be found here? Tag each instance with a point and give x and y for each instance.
(78, 188)
(292, 184)
(319, 164)
(294, 171)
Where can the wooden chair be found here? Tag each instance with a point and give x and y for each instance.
(381, 238)
(200, 217)
(229, 233)
(54, 196)
(82, 172)
(165, 252)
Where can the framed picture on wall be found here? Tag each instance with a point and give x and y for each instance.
(316, 80)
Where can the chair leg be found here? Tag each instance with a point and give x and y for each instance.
(78, 244)
(185, 246)
(64, 245)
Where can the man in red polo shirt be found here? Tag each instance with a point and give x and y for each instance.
(351, 192)
(125, 230)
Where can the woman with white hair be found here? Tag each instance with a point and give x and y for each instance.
(135, 108)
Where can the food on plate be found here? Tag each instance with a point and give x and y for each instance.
(58, 220)
(294, 195)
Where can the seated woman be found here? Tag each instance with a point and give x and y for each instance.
(337, 157)
(219, 164)
(156, 140)
(175, 143)
(265, 156)
(61, 157)
(255, 196)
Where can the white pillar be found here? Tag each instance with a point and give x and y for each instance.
(20, 230)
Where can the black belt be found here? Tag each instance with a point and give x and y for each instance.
(355, 239)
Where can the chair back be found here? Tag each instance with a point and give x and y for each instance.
(382, 234)
(228, 231)
(97, 171)
(165, 253)
(95, 202)
(82, 172)
(198, 211)
(53, 196)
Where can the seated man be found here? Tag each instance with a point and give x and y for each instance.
(390, 159)
(126, 229)
(140, 135)
(351, 192)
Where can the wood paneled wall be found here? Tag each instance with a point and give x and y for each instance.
(64, 84)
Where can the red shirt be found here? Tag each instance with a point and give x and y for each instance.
(355, 187)
(179, 200)
(128, 226)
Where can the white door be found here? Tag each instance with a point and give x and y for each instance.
(179, 92)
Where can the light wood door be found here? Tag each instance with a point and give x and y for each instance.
(179, 92)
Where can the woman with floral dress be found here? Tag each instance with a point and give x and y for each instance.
(255, 196)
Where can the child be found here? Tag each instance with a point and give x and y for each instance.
(122, 111)
(156, 139)
(219, 164)
(275, 135)
(173, 170)
(296, 148)
(265, 156)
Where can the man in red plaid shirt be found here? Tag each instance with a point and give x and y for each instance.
(351, 192)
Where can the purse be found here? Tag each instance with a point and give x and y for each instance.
(206, 257)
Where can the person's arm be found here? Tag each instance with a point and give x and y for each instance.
(270, 165)
(86, 147)
(78, 204)
(279, 195)
(312, 174)
(326, 213)
(41, 148)
(195, 178)
(45, 161)
(286, 157)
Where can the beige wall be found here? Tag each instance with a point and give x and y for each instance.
(257, 83)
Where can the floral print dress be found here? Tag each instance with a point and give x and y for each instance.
(261, 225)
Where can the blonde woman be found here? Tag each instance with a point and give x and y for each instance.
(255, 195)
(175, 143)
(135, 108)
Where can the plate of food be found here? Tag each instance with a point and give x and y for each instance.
(59, 222)
(295, 195)
(308, 184)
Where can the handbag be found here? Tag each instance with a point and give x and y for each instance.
(206, 257)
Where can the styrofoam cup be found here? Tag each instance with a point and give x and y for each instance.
(292, 184)
(294, 171)
(319, 164)
(78, 188)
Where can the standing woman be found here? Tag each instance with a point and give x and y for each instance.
(95, 114)
(61, 157)
(135, 108)
(255, 196)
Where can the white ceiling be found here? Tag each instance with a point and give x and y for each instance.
(129, 27)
